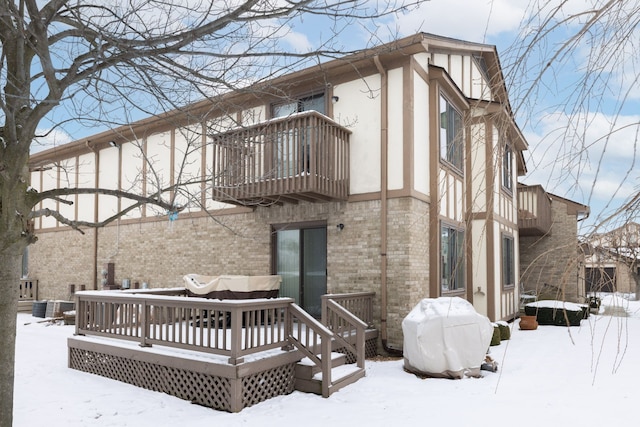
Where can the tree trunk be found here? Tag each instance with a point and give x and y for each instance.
(10, 267)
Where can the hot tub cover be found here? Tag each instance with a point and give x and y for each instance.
(232, 286)
(445, 337)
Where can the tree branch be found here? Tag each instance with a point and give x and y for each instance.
(152, 199)
(74, 224)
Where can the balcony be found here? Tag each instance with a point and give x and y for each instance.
(304, 156)
(534, 211)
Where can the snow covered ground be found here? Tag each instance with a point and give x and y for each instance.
(555, 376)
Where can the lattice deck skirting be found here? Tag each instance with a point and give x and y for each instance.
(370, 349)
(213, 384)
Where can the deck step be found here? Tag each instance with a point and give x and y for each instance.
(341, 376)
(306, 369)
(309, 377)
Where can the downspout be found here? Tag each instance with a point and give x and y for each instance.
(384, 143)
(95, 213)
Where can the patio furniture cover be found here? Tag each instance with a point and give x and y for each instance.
(445, 337)
(232, 286)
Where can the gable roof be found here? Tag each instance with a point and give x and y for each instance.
(351, 66)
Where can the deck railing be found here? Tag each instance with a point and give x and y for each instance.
(304, 156)
(349, 331)
(358, 303)
(314, 341)
(28, 289)
(232, 328)
(534, 211)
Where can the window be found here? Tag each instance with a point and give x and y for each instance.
(482, 65)
(292, 152)
(451, 134)
(508, 261)
(309, 103)
(507, 168)
(452, 259)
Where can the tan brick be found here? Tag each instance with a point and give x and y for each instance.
(160, 252)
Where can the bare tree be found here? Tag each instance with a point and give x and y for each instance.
(74, 60)
(573, 74)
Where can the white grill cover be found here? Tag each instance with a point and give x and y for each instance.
(445, 337)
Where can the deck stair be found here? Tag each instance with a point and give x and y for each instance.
(327, 346)
(309, 376)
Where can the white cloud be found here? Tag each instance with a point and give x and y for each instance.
(593, 159)
(298, 41)
(463, 19)
(49, 139)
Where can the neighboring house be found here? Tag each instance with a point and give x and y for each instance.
(393, 170)
(612, 262)
(551, 264)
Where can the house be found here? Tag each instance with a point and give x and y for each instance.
(612, 260)
(392, 170)
(551, 262)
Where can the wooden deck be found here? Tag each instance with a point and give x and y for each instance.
(223, 354)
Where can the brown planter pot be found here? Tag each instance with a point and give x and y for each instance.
(528, 323)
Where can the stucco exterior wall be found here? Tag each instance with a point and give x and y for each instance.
(395, 135)
(421, 154)
(359, 110)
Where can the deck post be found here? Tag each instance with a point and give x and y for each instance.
(236, 336)
(323, 310)
(144, 323)
(288, 328)
(235, 398)
(81, 313)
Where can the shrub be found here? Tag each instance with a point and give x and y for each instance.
(505, 330)
(495, 339)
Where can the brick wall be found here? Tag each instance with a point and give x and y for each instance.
(625, 281)
(407, 262)
(550, 264)
(61, 258)
(161, 252)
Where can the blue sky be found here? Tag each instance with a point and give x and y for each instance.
(582, 133)
(581, 147)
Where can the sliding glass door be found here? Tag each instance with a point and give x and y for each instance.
(301, 260)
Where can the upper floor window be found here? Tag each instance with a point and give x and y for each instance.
(482, 65)
(507, 168)
(451, 134)
(315, 102)
(452, 259)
